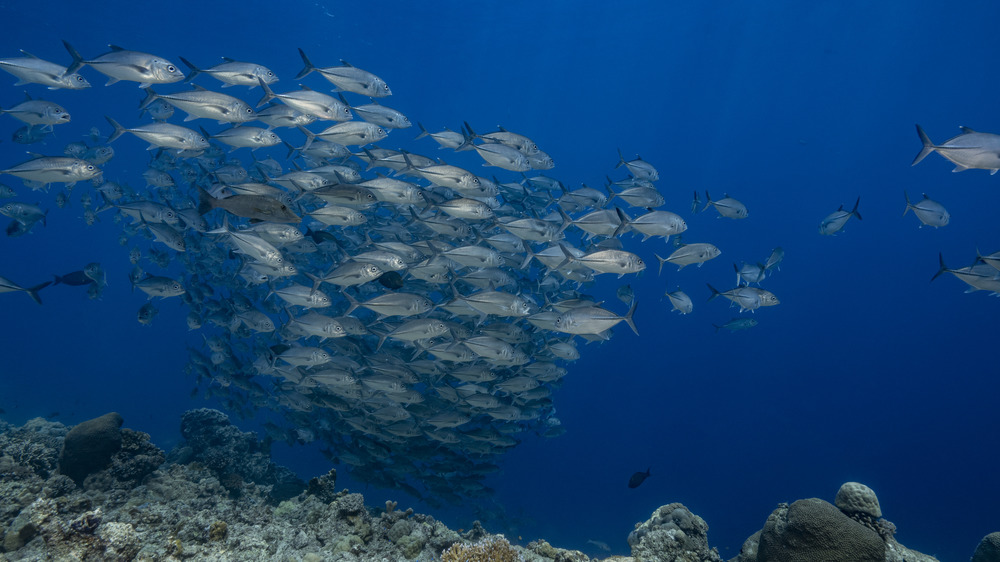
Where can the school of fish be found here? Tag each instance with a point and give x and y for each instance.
(412, 315)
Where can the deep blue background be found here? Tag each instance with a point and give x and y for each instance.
(865, 372)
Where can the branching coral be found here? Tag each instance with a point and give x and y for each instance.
(489, 549)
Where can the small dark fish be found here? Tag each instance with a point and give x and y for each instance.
(75, 278)
(320, 236)
(258, 207)
(146, 313)
(52, 415)
(736, 324)
(626, 294)
(391, 280)
(638, 478)
(29, 134)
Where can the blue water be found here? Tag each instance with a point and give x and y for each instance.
(864, 372)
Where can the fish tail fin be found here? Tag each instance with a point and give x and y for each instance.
(423, 131)
(717, 328)
(195, 71)
(119, 130)
(353, 302)
(468, 137)
(662, 261)
(527, 258)
(310, 137)
(205, 201)
(628, 316)
(472, 133)
(611, 194)
(268, 93)
(908, 204)
(308, 65)
(151, 96)
(33, 291)
(927, 148)
(569, 257)
(621, 159)
(854, 211)
(708, 201)
(941, 267)
(715, 292)
(77, 59)
(626, 223)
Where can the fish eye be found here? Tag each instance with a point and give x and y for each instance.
(90, 168)
(171, 68)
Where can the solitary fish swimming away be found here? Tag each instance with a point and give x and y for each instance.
(638, 478)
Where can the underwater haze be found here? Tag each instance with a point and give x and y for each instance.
(866, 371)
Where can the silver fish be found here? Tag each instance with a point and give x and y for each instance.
(592, 320)
(49, 169)
(38, 112)
(6, 286)
(162, 135)
(348, 78)
(33, 70)
(157, 286)
(930, 212)
(234, 73)
(727, 207)
(680, 301)
(121, 64)
(969, 150)
(688, 254)
(835, 221)
(205, 103)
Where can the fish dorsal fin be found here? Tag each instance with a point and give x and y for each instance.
(304, 87)
(345, 63)
(27, 54)
(116, 48)
(227, 59)
(966, 130)
(197, 88)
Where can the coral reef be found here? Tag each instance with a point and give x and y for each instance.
(491, 549)
(88, 447)
(214, 498)
(854, 497)
(814, 530)
(672, 534)
(988, 549)
(237, 458)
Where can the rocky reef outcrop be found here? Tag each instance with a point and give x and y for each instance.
(814, 530)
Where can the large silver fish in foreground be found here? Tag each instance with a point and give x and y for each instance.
(966, 151)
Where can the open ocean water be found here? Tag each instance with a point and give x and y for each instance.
(865, 372)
